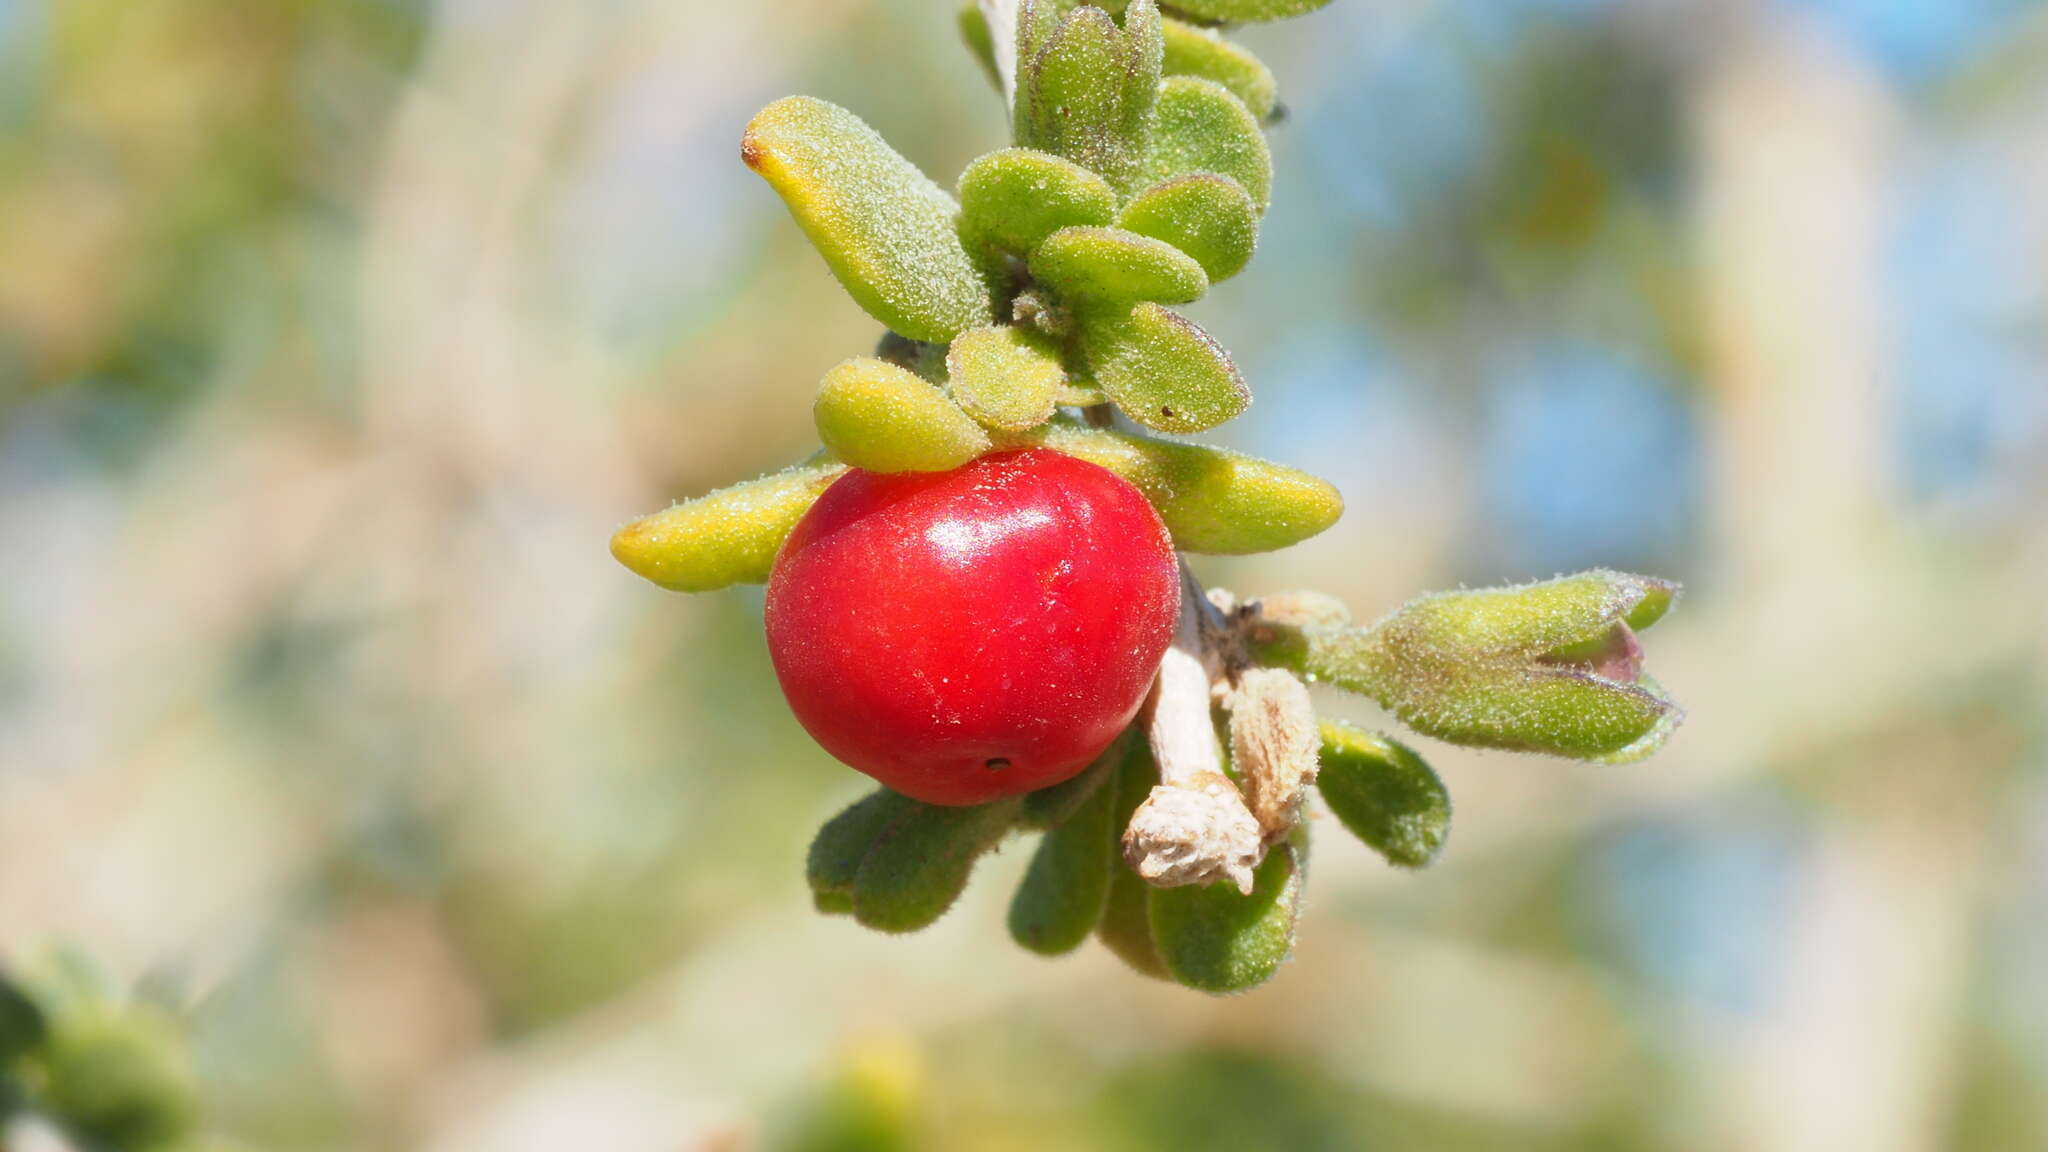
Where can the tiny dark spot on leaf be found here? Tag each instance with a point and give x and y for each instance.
(1165, 411)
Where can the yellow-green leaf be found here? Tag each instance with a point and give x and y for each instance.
(886, 231)
(1245, 11)
(728, 537)
(1192, 50)
(1076, 96)
(1111, 264)
(875, 415)
(1006, 378)
(1209, 217)
(1213, 500)
(1013, 199)
(974, 31)
(1161, 369)
(1200, 127)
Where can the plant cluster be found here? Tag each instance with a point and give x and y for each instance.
(1031, 309)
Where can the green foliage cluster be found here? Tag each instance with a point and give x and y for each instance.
(111, 1072)
(1034, 306)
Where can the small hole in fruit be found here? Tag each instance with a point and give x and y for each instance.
(997, 764)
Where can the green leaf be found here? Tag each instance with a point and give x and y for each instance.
(1215, 939)
(1385, 794)
(1558, 711)
(1067, 886)
(1245, 11)
(1075, 92)
(1126, 927)
(1192, 50)
(888, 233)
(1162, 370)
(1200, 127)
(728, 537)
(1006, 378)
(1145, 44)
(875, 415)
(1049, 807)
(919, 864)
(840, 846)
(1110, 265)
(975, 33)
(1213, 500)
(119, 1075)
(22, 1025)
(1013, 199)
(1209, 217)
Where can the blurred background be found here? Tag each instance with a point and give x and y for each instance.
(336, 336)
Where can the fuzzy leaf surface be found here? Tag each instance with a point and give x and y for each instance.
(920, 862)
(726, 537)
(1011, 200)
(1209, 217)
(1213, 500)
(1007, 378)
(1161, 369)
(1112, 265)
(875, 415)
(1245, 11)
(1061, 898)
(886, 231)
(1385, 794)
(1199, 126)
(1214, 939)
(1192, 50)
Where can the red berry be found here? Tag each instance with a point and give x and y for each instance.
(977, 633)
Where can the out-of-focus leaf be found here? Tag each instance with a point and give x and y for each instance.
(1213, 500)
(974, 32)
(1007, 378)
(1215, 939)
(1048, 807)
(120, 1076)
(1385, 794)
(1209, 217)
(1192, 50)
(887, 232)
(1199, 126)
(1245, 11)
(1126, 927)
(1061, 898)
(875, 415)
(843, 842)
(1013, 199)
(1161, 369)
(1112, 265)
(22, 1025)
(727, 537)
(919, 864)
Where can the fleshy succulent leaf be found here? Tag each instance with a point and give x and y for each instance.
(875, 415)
(919, 863)
(1011, 200)
(843, 842)
(1385, 794)
(1075, 89)
(1209, 217)
(1213, 500)
(1212, 938)
(22, 1023)
(1145, 45)
(1199, 126)
(1049, 807)
(1061, 898)
(726, 537)
(1006, 378)
(1245, 11)
(1161, 369)
(1126, 925)
(887, 232)
(1111, 265)
(1192, 50)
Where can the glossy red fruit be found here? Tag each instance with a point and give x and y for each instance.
(977, 633)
